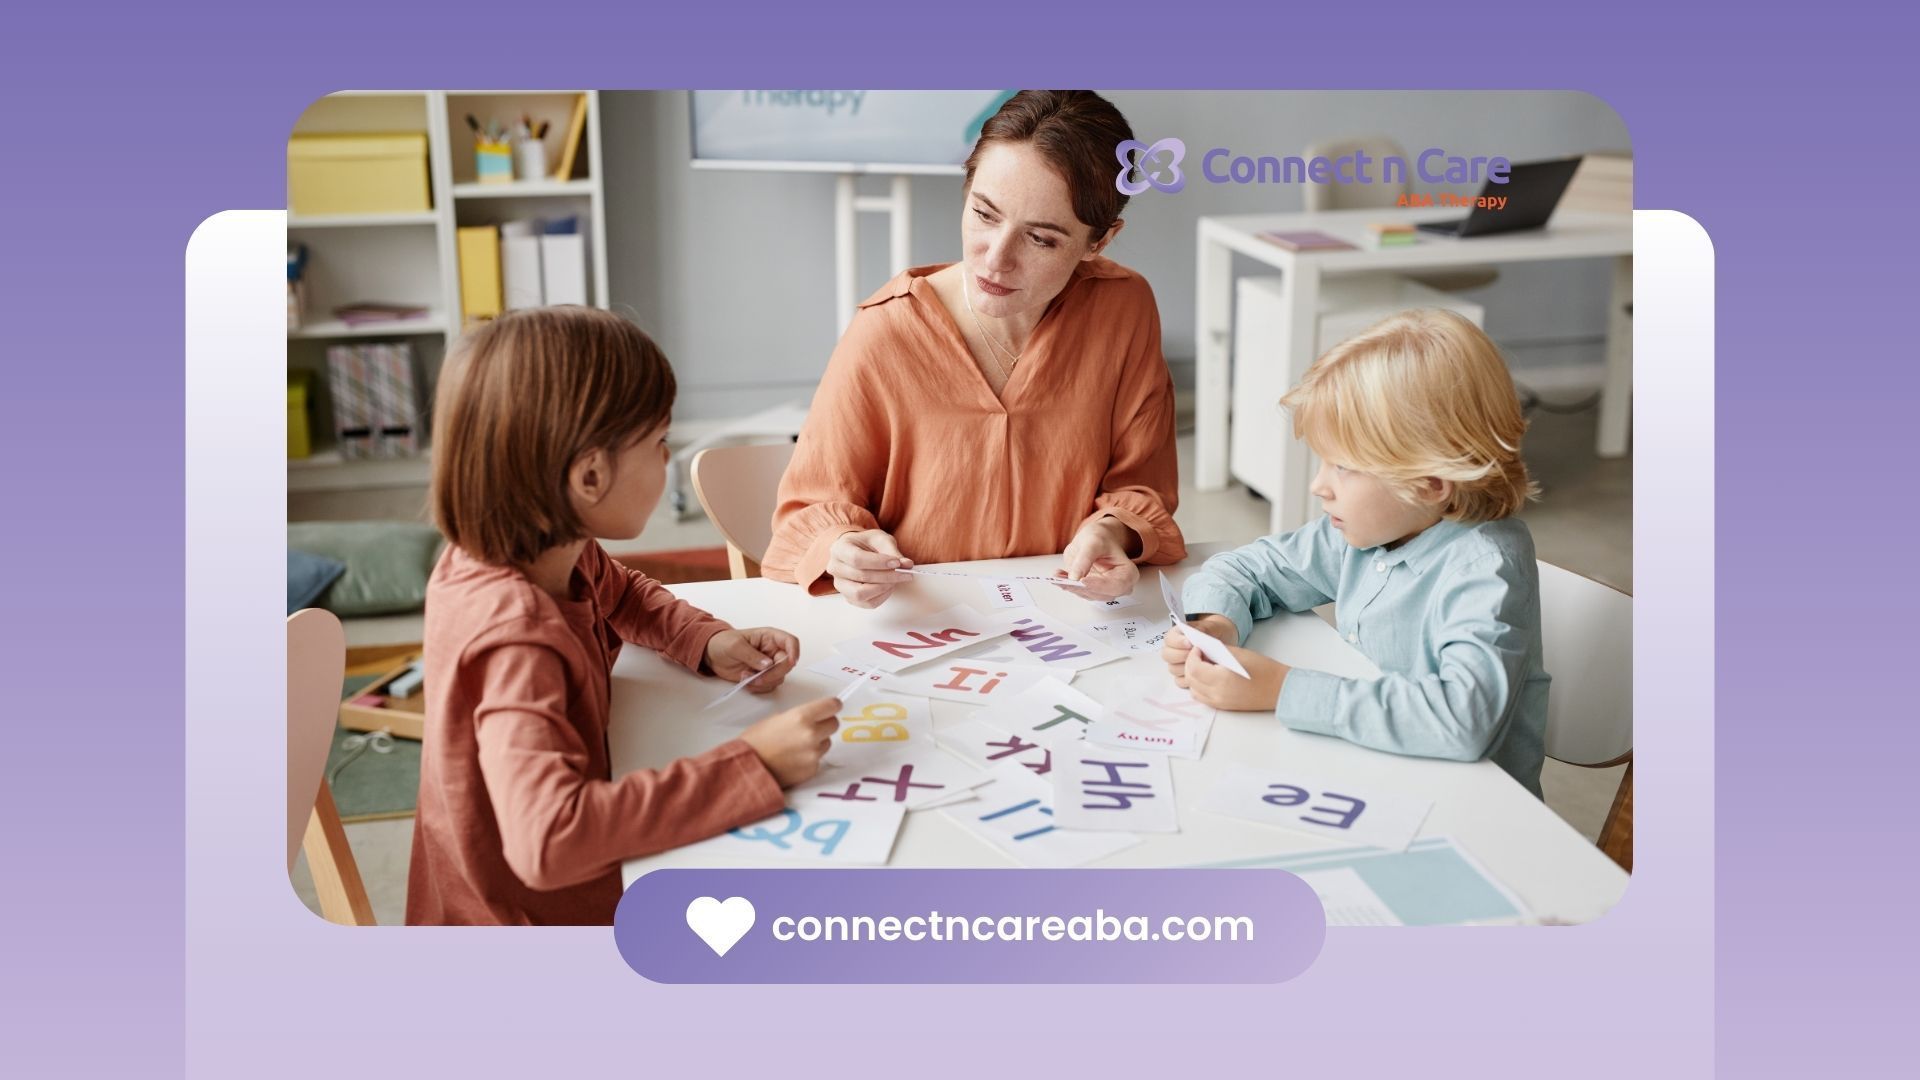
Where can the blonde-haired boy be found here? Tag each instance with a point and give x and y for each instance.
(1418, 427)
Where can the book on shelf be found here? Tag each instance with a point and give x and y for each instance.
(376, 413)
(373, 311)
(479, 247)
(520, 264)
(576, 124)
(1306, 240)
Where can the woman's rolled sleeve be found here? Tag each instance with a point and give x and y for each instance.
(1141, 487)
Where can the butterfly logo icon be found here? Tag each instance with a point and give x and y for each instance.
(1156, 166)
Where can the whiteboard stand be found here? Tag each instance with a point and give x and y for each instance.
(898, 206)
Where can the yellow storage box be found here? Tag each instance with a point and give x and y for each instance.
(357, 174)
(299, 427)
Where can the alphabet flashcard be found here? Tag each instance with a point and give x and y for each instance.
(922, 638)
(1315, 806)
(987, 746)
(970, 681)
(1153, 713)
(911, 777)
(1050, 713)
(1048, 639)
(878, 725)
(1014, 813)
(1113, 790)
(828, 834)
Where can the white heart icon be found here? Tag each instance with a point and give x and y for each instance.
(720, 924)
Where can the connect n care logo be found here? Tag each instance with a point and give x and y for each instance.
(1156, 166)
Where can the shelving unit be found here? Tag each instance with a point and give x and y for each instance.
(411, 258)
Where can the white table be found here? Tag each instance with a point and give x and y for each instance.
(1569, 235)
(656, 718)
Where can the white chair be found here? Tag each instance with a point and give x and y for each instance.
(780, 422)
(1586, 630)
(316, 662)
(1378, 195)
(737, 486)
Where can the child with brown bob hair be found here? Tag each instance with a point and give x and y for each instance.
(1418, 426)
(550, 430)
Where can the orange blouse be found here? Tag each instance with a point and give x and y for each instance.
(906, 435)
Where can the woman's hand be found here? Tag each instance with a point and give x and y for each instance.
(1214, 685)
(863, 564)
(1175, 648)
(735, 654)
(1097, 555)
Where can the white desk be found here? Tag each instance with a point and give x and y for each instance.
(1570, 235)
(656, 718)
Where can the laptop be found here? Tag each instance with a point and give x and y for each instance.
(1532, 189)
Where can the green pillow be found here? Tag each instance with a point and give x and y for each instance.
(387, 562)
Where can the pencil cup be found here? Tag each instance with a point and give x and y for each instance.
(493, 162)
(530, 159)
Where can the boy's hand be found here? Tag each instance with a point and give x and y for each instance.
(792, 743)
(1214, 685)
(1176, 648)
(735, 654)
(1097, 556)
(863, 564)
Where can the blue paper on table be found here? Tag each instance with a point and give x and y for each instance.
(1432, 883)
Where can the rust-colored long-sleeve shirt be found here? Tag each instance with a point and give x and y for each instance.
(520, 819)
(906, 435)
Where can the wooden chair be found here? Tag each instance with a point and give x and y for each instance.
(737, 485)
(316, 661)
(1587, 632)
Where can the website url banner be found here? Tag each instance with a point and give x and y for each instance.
(969, 926)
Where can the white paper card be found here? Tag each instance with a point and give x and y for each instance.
(1098, 788)
(1005, 594)
(922, 638)
(1049, 640)
(1156, 705)
(911, 777)
(853, 834)
(1014, 813)
(1213, 649)
(1210, 647)
(1048, 579)
(1120, 735)
(1114, 604)
(737, 687)
(969, 681)
(1131, 635)
(987, 746)
(1050, 713)
(951, 800)
(1314, 806)
(1171, 598)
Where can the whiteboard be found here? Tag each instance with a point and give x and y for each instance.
(882, 131)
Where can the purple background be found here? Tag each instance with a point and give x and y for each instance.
(136, 125)
(1288, 926)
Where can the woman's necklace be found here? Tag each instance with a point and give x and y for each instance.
(993, 343)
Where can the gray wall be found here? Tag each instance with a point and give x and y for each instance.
(733, 271)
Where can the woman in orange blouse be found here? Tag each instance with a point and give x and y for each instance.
(1013, 403)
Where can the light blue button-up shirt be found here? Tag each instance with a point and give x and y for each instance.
(1451, 617)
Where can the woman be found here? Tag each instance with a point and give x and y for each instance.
(1013, 403)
